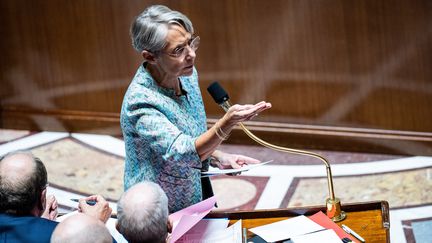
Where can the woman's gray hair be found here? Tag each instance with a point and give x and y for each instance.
(142, 213)
(149, 30)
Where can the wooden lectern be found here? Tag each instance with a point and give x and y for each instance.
(369, 219)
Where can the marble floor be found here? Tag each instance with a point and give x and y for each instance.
(84, 164)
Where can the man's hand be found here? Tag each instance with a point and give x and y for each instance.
(50, 211)
(101, 210)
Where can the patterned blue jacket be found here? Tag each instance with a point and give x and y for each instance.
(159, 130)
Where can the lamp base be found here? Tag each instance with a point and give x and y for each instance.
(334, 211)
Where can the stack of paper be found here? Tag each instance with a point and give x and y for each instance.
(327, 236)
(301, 229)
(286, 229)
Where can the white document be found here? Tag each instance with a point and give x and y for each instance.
(327, 236)
(216, 171)
(286, 229)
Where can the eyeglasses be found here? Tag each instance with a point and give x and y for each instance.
(193, 43)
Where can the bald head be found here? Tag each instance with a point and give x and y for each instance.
(23, 179)
(141, 194)
(81, 228)
(142, 213)
(17, 166)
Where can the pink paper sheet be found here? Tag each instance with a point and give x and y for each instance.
(189, 217)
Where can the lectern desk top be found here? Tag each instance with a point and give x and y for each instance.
(368, 219)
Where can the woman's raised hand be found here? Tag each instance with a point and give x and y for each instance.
(207, 143)
(240, 113)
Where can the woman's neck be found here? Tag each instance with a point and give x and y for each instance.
(164, 80)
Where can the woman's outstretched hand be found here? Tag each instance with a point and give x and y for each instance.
(240, 113)
(207, 143)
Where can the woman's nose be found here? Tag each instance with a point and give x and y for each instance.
(190, 52)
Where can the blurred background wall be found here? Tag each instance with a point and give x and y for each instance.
(348, 75)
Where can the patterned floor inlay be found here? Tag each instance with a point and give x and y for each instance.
(238, 193)
(71, 164)
(400, 189)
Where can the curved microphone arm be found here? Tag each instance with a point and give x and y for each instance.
(226, 106)
(333, 204)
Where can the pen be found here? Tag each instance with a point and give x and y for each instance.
(89, 202)
(350, 231)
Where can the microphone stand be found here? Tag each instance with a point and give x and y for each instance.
(333, 204)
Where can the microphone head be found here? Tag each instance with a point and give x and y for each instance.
(217, 92)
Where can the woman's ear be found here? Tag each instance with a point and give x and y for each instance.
(148, 57)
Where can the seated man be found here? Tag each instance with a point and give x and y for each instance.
(142, 213)
(81, 228)
(26, 213)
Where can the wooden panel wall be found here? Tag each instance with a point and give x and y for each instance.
(65, 65)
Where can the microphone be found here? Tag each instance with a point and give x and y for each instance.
(219, 95)
(333, 204)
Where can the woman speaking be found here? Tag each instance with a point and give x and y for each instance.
(163, 118)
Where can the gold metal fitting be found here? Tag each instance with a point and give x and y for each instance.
(334, 210)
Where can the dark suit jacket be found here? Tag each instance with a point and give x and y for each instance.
(25, 229)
